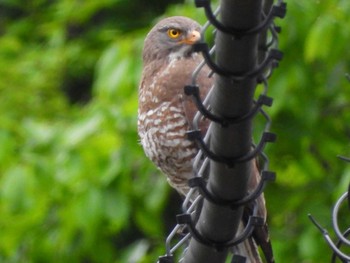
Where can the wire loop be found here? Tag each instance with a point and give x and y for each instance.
(195, 135)
(200, 183)
(342, 236)
(253, 221)
(276, 11)
(193, 90)
(274, 55)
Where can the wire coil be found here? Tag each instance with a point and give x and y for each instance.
(342, 236)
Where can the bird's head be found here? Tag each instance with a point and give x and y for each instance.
(171, 38)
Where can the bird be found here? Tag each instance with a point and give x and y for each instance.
(165, 114)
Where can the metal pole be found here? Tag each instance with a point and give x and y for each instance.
(230, 99)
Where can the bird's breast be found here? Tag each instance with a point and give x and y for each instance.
(163, 136)
(164, 116)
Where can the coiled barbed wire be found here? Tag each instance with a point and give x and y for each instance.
(342, 236)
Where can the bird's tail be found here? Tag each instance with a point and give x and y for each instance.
(247, 249)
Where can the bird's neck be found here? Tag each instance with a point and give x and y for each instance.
(183, 52)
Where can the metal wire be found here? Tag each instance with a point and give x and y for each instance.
(342, 236)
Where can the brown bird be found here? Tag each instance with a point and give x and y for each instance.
(165, 113)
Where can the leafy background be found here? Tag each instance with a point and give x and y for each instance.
(75, 185)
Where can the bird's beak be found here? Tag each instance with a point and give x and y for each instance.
(192, 37)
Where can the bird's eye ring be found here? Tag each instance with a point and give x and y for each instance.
(173, 33)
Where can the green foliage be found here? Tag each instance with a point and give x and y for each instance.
(311, 117)
(71, 185)
(75, 185)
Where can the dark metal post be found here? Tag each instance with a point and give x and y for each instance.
(230, 99)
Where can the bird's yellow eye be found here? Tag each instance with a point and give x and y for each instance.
(174, 33)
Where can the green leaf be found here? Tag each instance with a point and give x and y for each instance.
(117, 209)
(319, 41)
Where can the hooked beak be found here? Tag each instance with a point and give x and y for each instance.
(192, 37)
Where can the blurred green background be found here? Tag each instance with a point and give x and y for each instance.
(75, 185)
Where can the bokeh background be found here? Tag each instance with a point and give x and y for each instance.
(75, 185)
